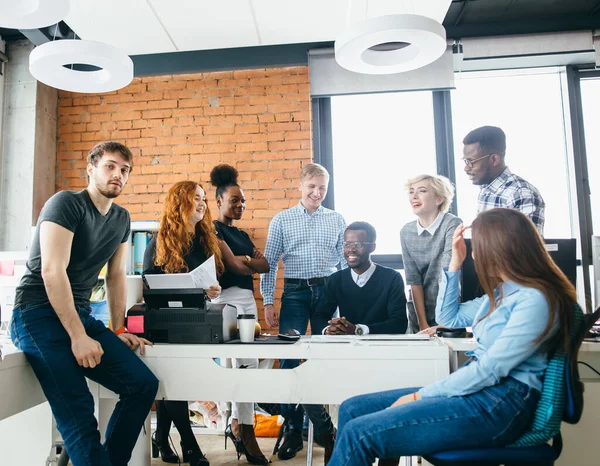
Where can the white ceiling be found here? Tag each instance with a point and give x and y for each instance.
(155, 26)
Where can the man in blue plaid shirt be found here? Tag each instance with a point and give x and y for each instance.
(483, 155)
(309, 237)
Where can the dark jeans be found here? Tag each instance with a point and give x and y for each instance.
(37, 331)
(298, 305)
(493, 417)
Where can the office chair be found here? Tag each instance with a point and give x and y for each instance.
(561, 400)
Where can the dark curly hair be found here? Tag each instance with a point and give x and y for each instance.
(222, 177)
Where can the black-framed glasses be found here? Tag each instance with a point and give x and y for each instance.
(355, 245)
(470, 162)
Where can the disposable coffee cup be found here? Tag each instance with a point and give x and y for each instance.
(246, 327)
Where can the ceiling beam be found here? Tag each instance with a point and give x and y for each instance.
(224, 59)
(524, 26)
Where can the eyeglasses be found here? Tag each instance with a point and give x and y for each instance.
(356, 245)
(470, 162)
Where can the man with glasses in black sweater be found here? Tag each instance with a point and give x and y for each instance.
(370, 297)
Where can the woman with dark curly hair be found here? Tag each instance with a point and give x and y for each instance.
(186, 237)
(238, 290)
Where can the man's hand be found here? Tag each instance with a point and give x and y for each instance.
(87, 351)
(271, 316)
(257, 254)
(135, 342)
(410, 398)
(340, 326)
(212, 292)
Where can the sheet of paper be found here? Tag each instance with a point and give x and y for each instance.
(170, 281)
(203, 276)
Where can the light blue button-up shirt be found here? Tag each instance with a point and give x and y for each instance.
(506, 339)
(311, 246)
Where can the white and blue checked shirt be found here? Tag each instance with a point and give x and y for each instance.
(513, 192)
(311, 246)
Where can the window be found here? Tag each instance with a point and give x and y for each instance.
(379, 142)
(528, 106)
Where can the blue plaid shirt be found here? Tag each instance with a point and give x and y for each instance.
(311, 246)
(513, 192)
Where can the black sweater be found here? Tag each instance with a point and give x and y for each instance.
(380, 304)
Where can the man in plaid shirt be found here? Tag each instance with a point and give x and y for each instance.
(483, 155)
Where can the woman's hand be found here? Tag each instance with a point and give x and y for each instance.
(213, 291)
(459, 249)
(429, 331)
(410, 398)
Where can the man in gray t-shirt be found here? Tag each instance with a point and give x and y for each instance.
(76, 234)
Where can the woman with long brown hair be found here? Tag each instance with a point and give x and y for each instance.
(526, 314)
(186, 237)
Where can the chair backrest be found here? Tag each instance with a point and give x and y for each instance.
(562, 392)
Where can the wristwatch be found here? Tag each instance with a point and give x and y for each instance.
(359, 330)
(248, 259)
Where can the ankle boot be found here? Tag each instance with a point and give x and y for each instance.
(167, 455)
(247, 438)
(328, 441)
(194, 456)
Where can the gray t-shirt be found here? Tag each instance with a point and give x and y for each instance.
(424, 257)
(96, 239)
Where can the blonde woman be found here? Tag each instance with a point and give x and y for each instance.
(427, 246)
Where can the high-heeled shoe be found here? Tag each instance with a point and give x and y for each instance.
(229, 434)
(246, 438)
(167, 455)
(194, 457)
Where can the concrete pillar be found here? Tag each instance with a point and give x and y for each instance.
(28, 152)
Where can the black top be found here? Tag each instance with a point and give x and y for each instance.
(380, 304)
(193, 259)
(241, 245)
(96, 238)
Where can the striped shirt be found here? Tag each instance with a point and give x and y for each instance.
(311, 246)
(513, 192)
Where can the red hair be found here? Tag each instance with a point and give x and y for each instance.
(174, 241)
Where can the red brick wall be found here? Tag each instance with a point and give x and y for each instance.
(181, 126)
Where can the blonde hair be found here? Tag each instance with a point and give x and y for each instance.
(313, 169)
(442, 187)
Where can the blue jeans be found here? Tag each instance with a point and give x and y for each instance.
(37, 331)
(493, 417)
(298, 305)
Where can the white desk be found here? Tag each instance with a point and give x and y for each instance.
(332, 373)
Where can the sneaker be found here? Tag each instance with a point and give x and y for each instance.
(292, 444)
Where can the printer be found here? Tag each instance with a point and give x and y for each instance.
(182, 316)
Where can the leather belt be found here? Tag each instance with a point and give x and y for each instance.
(306, 282)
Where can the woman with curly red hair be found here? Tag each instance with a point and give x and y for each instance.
(186, 237)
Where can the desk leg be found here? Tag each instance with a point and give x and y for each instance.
(309, 451)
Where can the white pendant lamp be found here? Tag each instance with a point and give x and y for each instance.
(47, 64)
(390, 44)
(32, 14)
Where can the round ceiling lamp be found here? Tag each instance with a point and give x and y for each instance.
(32, 14)
(390, 44)
(53, 64)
